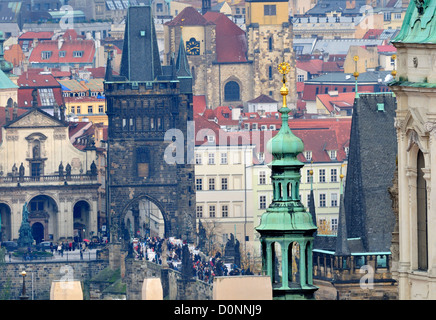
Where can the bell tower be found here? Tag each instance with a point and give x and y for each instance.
(286, 228)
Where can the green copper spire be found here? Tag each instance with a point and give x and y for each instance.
(418, 23)
(286, 228)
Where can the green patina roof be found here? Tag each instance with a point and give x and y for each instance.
(5, 82)
(418, 27)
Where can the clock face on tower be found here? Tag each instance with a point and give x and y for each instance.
(193, 47)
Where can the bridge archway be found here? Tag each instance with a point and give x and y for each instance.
(142, 217)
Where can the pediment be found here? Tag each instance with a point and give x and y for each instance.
(34, 119)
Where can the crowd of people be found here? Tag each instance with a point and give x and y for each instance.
(170, 251)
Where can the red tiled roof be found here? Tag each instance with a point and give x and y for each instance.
(341, 99)
(312, 66)
(372, 33)
(199, 104)
(386, 48)
(318, 135)
(189, 16)
(30, 35)
(31, 80)
(231, 43)
(87, 46)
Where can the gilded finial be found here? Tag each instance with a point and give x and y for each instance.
(284, 69)
(394, 72)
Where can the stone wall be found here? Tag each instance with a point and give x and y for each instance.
(40, 276)
(174, 287)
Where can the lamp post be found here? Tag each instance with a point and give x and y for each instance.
(23, 291)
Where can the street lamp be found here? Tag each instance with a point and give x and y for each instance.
(23, 292)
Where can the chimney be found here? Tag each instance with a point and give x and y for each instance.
(60, 42)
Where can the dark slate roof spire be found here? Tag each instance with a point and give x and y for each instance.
(140, 60)
(342, 248)
(182, 65)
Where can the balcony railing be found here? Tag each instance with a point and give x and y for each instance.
(48, 178)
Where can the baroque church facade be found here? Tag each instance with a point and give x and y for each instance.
(40, 168)
(230, 66)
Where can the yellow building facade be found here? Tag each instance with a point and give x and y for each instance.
(86, 108)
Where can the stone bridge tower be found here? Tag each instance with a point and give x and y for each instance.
(149, 108)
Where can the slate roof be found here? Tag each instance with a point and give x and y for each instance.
(370, 170)
(140, 60)
(263, 99)
(371, 77)
(341, 46)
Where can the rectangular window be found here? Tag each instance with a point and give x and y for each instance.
(211, 158)
(332, 154)
(90, 109)
(321, 175)
(262, 202)
(199, 211)
(224, 185)
(309, 176)
(78, 109)
(334, 224)
(269, 10)
(198, 184)
(211, 183)
(225, 211)
(262, 177)
(73, 110)
(45, 55)
(100, 109)
(334, 199)
(322, 202)
(212, 211)
(62, 54)
(308, 200)
(197, 158)
(224, 158)
(333, 175)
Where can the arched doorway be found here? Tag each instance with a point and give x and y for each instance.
(81, 217)
(5, 222)
(38, 232)
(43, 212)
(144, 219)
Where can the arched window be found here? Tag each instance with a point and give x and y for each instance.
(231, 91)
(421, 203)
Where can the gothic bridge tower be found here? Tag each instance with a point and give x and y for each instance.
(150, 179)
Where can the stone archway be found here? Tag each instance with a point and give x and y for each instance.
(38, 232)
(5, 222)
(43, 209)
(144, 217)
(81, 220)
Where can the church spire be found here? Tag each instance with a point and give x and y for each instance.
(286, 222)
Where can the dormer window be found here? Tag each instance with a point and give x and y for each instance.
(77, 54)
(45, 55)
(308, 155)
(332, 154)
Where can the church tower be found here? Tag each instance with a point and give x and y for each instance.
(149, 109)
(269, 37)
(286, 228)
